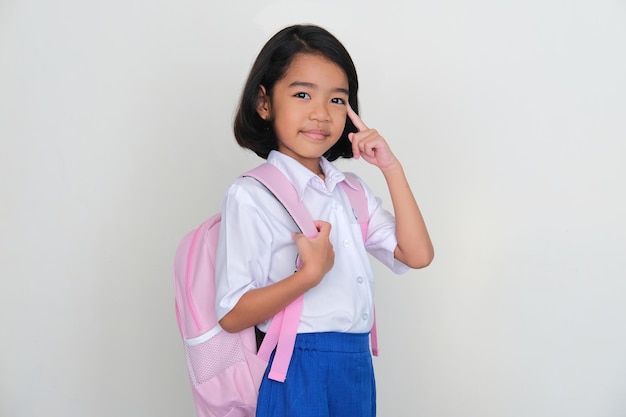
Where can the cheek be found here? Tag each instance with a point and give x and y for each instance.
(341, 119)
(284, 126)
(341, 124)
(283, 121)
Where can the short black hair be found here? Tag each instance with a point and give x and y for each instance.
(256, 134)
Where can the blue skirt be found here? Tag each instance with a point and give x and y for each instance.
(330, 375)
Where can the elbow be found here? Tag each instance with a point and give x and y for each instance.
(421, 262)
(418, 259)
(229, 325)
(240, 317)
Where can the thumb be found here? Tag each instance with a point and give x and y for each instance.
(296, 236)
(323, 227)
(356, 152)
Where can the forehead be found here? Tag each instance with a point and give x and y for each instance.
(316, 69)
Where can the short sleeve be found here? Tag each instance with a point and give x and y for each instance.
(381, 239)
(244, 246)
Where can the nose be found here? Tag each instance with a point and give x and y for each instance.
(319, 112)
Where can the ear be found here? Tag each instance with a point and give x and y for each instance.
(263, 104)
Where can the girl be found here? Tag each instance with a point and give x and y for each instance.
(299, 110)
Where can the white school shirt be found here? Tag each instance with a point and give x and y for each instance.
(256, 247)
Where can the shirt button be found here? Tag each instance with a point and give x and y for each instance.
(346, 243)
(365, 316)
(359, 280)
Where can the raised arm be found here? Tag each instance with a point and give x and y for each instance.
(415, 248)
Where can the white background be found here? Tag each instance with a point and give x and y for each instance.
(509, 117)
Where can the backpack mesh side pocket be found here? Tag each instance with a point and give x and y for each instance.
(211, 357)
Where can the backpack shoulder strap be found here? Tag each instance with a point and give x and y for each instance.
(284, 327)
(358, 201)
(278, 184)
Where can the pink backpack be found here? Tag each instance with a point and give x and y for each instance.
(225, 369)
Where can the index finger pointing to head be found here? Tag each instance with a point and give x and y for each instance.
(356, 119)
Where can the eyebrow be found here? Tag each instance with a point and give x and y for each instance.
(313, 85)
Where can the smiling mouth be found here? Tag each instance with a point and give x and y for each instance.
(315, 134)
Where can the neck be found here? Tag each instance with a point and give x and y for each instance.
(313, 165)
(316, 169)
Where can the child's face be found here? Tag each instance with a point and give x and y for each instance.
(308, 108)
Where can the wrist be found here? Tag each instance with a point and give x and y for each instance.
(394, 168)
(307, 277)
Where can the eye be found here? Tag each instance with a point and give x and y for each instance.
(338, 100)
(302, 95)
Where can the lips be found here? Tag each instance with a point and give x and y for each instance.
(316, 134)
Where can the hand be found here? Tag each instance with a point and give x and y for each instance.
(369, 144)
(316, 254)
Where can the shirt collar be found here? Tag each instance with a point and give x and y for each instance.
(334, 176)
(301, 177)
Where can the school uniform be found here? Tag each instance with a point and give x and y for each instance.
(256, 249)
